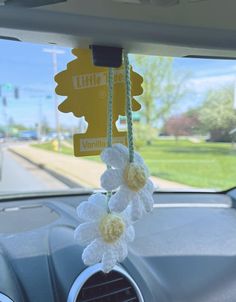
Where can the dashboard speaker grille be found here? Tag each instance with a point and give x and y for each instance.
(112, 287)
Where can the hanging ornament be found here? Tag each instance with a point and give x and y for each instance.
(107, 219)
(85, 88)
(135, 189)
(105, 234)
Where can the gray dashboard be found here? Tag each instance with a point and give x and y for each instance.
(184, 251)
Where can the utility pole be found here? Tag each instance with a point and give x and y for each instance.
(4, 95)
(4, 104)
(55, 52)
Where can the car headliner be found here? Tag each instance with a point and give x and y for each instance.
(190, 28)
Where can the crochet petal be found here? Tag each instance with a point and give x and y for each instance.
(149, 186)
(86, 232)
(122, 250)
(93, 253)
(147, 199)
(109, 260)
(120, 200)
(89, 211)
(116, 156)
(129, 234)
(126, 217)
(99, 199)
(111, 179)
(136, 209)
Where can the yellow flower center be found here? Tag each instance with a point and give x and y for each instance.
(111, 228)
(135, 177)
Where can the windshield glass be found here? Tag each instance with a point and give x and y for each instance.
(185, 131)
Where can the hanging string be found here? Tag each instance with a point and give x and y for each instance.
(129, 108)
(110, 115)
(110, 107)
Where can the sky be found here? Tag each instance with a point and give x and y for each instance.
(30, 68)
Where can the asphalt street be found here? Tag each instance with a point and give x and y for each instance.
(18, 175)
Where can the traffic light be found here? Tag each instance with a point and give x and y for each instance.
(4, 101)
(8, 87)
(16, 93)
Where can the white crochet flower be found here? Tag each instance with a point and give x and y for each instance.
(131, 179)
(105, 234)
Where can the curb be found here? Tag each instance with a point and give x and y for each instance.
(65, 180)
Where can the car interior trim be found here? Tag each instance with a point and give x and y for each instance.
(192, 205)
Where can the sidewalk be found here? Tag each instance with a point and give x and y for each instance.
(80, 170)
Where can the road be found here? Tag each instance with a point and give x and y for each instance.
(18, 175)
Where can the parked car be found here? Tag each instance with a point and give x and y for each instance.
(26, 135)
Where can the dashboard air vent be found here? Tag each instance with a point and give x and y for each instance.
(4, 298)
(93, 285)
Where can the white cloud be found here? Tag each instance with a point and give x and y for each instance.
(202, 84)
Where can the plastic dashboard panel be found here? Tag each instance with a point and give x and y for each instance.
(184, 251)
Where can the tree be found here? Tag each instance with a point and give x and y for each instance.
(217, 114)
(163, 88)
(181, 125)
(141, 132)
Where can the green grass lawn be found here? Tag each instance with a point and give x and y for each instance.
(48, 146)
(202, 165)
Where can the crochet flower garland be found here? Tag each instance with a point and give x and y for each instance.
(107, 220)
(107, 224)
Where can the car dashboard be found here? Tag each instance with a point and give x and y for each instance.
(185, 250)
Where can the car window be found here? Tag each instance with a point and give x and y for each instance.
(185, 131)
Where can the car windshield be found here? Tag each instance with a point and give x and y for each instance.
(185, 131)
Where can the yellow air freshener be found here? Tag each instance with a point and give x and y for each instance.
(86, 88)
